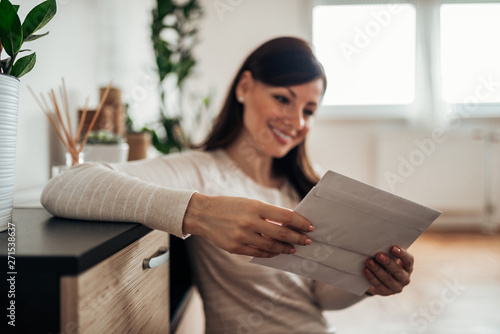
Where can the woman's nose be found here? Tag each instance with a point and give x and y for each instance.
(295, 119)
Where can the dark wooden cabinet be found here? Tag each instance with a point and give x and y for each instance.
(84, 277)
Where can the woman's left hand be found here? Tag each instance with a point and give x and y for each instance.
(389, 276)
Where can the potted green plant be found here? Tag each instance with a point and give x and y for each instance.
(13, 35)
(173, 33)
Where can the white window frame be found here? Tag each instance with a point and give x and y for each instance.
(428, 106)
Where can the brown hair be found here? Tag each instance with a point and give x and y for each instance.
(285, 61)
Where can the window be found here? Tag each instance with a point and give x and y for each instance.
(470, 54)
(368, 52)
(408, 58)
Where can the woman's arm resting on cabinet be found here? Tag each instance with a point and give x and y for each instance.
(94, 191)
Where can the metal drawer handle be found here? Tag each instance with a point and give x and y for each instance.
(157, 260)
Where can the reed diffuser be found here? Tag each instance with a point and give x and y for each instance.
(71, 140)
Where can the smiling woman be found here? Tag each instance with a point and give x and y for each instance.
(233, 198)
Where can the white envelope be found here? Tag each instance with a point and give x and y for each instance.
(352, 222)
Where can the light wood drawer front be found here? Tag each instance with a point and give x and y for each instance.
(118, 295)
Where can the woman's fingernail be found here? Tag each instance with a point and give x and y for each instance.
(396, 250)
(292, 251)
(371, 263)
(311, 228)
(309, 241)
(382, 258)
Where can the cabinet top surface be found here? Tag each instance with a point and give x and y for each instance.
(64, 246)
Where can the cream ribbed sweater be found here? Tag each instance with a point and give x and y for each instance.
(238, 297)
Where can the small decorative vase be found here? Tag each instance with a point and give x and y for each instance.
(70, 162)
(9, 106)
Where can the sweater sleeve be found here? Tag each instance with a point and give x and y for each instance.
(128, 193)
(330, 297)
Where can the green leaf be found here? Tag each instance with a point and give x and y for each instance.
(5, 64)
(16, 7)
(165, 66)
(11, 33)
(206, 101)
(165, 8)
(38, 17)
(185, 69)
(161, 147)
(173, 140)
(23, 65)
(192, 8)
(35, 37)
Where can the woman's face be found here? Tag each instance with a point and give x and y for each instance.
(276, 119)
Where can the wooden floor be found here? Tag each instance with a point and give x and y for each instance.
(455, 289)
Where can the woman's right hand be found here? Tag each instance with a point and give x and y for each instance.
(242, 226)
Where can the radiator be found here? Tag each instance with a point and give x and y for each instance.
(448, 172)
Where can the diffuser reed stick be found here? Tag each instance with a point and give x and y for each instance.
(83, 116)
(64, 95)
(94, 119)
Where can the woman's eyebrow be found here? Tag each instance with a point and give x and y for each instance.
(291, 92)
(312, 103)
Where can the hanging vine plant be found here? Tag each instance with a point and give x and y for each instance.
(174, 34)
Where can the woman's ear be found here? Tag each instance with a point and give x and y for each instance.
(244, 85)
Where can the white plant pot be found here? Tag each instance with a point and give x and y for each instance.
(115, 153)
(9, 106)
